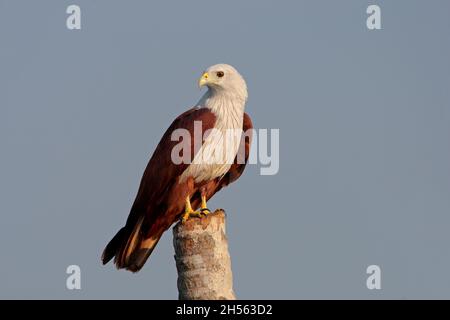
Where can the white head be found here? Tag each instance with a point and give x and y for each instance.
(223, 79)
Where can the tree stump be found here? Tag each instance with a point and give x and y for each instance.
(202, 259)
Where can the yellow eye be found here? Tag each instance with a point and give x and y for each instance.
(220, 74)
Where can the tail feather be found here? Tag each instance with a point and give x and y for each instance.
(140, 255)
(129, 248)
(112, 247)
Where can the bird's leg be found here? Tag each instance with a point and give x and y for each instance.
(188, 211)
(204, 208)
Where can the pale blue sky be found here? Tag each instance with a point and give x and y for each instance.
(364, 125)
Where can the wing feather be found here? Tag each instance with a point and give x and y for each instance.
(161, 172)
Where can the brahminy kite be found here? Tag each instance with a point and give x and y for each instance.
(171, 189)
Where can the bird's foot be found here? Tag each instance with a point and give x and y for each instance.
(187, 215)
(205, 211)
(196, 214)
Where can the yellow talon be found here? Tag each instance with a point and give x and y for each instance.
(189, 212)
(188, 215)
(204, 208)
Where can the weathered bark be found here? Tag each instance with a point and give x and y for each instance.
(202, 258)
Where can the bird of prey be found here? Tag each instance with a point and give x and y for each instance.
(172, 190)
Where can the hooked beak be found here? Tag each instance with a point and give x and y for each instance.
(203, 79)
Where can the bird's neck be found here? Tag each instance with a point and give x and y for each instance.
(227, 107)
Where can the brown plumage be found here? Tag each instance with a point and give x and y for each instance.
(166, 186)
(161, 197)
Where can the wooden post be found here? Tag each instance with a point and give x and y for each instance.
(202, 258)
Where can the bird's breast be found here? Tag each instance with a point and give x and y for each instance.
(217, 152)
